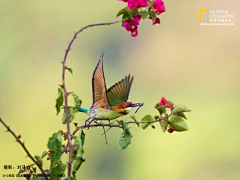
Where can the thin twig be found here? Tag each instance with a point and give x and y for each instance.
(25, 149)
(105, 135)
(106, 131)
(66, 93)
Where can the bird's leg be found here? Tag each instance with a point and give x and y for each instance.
(90, 122)
(87, 121)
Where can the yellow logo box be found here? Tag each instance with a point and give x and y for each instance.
(203, 15)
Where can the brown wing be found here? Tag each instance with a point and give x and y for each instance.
(119, 92)
(99, 87)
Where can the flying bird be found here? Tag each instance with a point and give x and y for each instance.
(112, 103)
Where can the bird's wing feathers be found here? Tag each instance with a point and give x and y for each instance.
(99, 87)
(119, 92)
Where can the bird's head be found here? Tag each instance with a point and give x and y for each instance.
(125, 107)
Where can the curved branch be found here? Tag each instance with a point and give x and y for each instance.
(66, 93)
(24, 147)
(110, 126)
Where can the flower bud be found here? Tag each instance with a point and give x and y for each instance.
(171, 129)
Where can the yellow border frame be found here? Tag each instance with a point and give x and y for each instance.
(201, 13)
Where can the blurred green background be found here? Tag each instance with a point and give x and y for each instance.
(194, 65)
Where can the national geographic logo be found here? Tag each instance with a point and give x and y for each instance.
(216, 18)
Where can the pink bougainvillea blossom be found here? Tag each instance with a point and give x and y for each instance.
(132, 26)
(159, 7)
(136, 3)
(132, 3)
(142, 3)
(157, 21)
(163, 101)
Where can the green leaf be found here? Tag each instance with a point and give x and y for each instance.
(125, 138)
(82, 137)
(77, 163)
(153, 15)
(55, 144)
(77, 101)
(37, 178)
(59, 100)
(57, 171)
(34, 169)
(134, 119)
(180, 108)
(123, 11)
(161, 109)
(133, 11)
(75, 124)
(44, 154)
(78, 153)
(144, 14)
(121, 124)
(146, 118)
(78, 157)
(164, 124)
(125, 16)
(39, 160)
(71, 113)
(178, 123)
(151, 2)
(76, 148)
(181, 114)
(70, 70)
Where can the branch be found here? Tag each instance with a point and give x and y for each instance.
(110, 126)
(66, 93)
(24, 147)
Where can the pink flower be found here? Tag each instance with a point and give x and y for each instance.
(136, 3)
(158, 5)
(132, 26)
(157, 21)
(168, 105)
(171, 129)
(143, 3)
(132, 3)
(163, 101)
(19, 136)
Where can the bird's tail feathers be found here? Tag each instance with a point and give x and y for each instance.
(85, 110)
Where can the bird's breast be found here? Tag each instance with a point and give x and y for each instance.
(104, 114)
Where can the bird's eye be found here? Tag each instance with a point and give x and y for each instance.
(129, 105)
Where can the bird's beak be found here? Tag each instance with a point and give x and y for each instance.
(137, 104)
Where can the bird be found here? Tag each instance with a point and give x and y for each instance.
(109, 104)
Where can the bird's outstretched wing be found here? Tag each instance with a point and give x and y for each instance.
(119, 92)
(99, 87)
